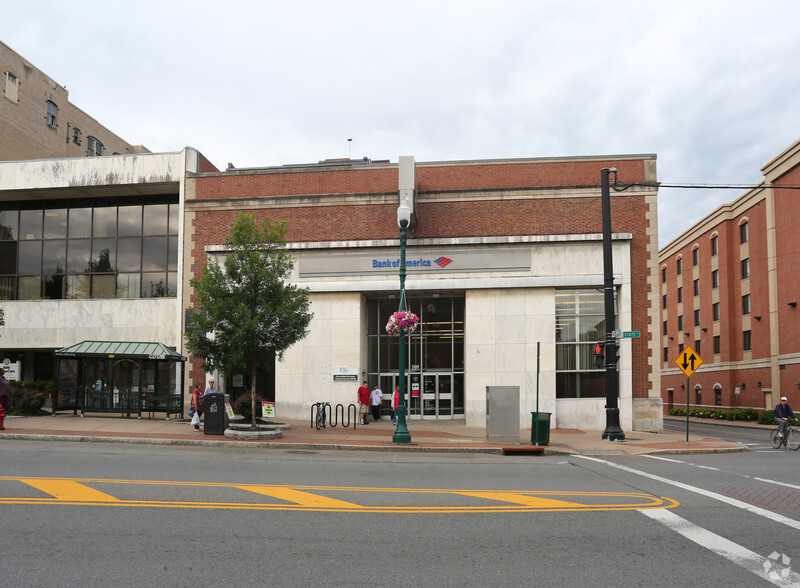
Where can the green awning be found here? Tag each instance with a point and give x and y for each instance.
(121, 350)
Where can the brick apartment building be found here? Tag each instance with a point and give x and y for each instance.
(37, 120)
(730, 289)
(505, 254)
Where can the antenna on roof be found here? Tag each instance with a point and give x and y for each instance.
(349, 149)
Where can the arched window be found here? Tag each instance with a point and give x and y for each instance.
(94, 147)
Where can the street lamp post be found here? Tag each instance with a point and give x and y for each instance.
(612, 432)
(401, 433)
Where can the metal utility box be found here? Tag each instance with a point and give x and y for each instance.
(502, 414)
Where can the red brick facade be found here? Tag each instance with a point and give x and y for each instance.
(768, 369)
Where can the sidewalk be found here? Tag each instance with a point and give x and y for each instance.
(433, 436)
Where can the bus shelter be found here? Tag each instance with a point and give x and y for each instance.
(127, 378)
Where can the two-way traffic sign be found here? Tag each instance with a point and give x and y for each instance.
(688, 361)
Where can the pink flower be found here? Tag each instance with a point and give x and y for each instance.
(402, 321)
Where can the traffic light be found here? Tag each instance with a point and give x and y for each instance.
(599, 355)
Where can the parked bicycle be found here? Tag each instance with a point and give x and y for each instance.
(791, 439)
(320, 418)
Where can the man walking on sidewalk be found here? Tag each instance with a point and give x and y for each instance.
(363, 402)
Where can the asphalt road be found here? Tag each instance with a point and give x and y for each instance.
(123, 515)
(755, 438)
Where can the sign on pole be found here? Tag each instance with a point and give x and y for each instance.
(688, 361)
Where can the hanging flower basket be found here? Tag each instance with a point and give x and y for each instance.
(403, 321)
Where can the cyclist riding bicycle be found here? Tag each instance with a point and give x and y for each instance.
(782, 414)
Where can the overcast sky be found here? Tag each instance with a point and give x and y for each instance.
(711, 87)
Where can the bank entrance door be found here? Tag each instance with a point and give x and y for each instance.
(437, 396)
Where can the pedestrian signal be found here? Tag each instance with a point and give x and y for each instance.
(599, 355)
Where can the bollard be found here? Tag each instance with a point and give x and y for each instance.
(2, 418)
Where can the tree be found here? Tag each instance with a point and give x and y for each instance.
(246, 313)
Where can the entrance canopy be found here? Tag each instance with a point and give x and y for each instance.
(120, 350)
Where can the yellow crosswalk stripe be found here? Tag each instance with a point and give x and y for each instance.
(69, 490)
(301, 498)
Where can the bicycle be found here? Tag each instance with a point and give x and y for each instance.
(320, 418)
(790, 440)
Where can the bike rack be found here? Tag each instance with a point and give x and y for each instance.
(332, 414)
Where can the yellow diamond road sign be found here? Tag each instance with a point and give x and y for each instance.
(688, 361)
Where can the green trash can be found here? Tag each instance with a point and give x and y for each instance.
(540, 435)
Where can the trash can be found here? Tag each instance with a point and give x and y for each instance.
(540, 435)
(216, 417)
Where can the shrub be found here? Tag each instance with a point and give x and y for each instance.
(241, 406)
(27, 398)
(677, 411)
(767, 417)
(747, 414)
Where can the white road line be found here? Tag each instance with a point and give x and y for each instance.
(778, 483)
(731, 551)
(702, 467)
(658, 457)
(732, 501)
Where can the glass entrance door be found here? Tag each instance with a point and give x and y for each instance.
(437, 396)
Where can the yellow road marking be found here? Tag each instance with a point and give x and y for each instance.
(300, 498)
(303, 498)
(69, 490)
(535, 501)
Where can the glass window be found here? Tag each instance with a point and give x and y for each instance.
(679, 264)
(174, 219)
(744, 234)
(716, 344)
(580, 324)
(715, 279)
(78, 286)
(30, 287)
(79, 253)
(680, 322)
(54, 256)
(30, 224)
(663, 275)
(130, 221)
(8, 257)
(154, 254)
(156, 219)
(746, 304)
(129, 255)
(665, 327)
(696, 317)
(76, 135)
(746, 341)
(718, 396)
(94, 148)
(8, 288)
(105, 222)
(55, 223)
(129, 285)
(54, 287)
(745, 268)
(680, 295)
(30, 257)
(695, 257)
(697, 346)
(664, 301)
(80, 222)
(104, 286)
(715, 310)
(104, 255)
(666, 354)
(154, 285)
(714, 246)
(52, 113)
(696, 286)
(680, 348)
(9, 223)
(172, 254)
